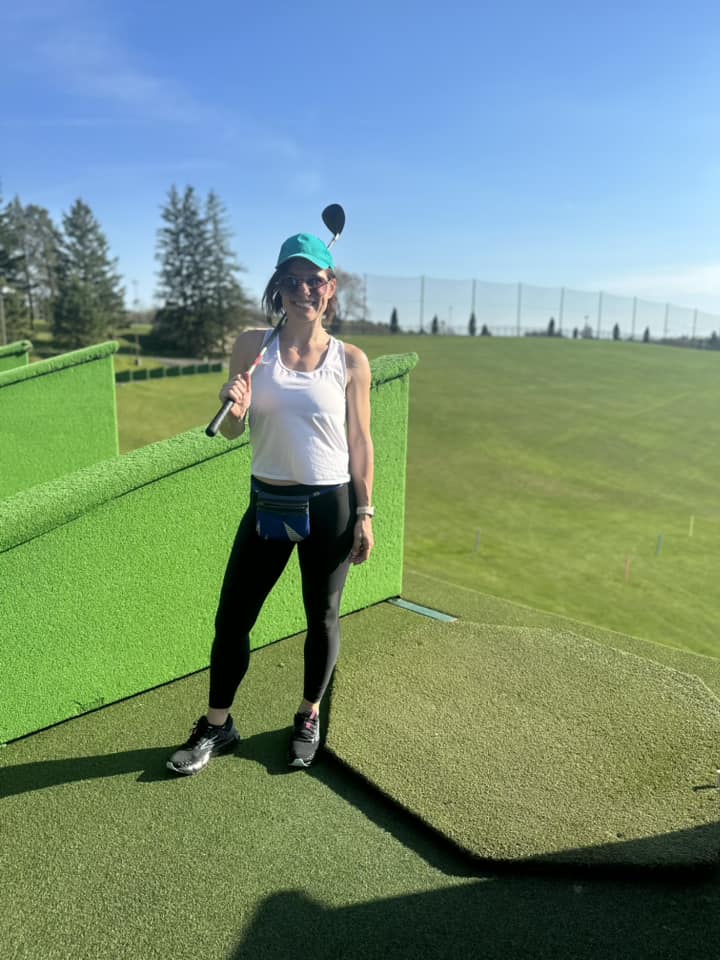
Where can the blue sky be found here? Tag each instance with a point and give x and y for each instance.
(551, 143)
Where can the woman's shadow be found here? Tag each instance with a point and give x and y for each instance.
(269, 749)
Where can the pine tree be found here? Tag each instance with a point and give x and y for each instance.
(435, 325)
(229, 303)
(38, 241)
(394, 322)
(472, 325)
(12, 309)
(202, 299)
(89, 301)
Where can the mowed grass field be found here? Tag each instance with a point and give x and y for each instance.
(578, 477)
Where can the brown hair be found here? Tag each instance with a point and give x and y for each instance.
(272, 298)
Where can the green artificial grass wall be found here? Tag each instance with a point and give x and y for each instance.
(15, 354)
(57, 416)
(111, 575)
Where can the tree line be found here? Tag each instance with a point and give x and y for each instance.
(66, 278)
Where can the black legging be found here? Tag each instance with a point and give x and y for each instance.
(253, 570)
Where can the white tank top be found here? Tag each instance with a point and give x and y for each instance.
(297, 419)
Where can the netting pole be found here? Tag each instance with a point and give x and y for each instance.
(519, 308)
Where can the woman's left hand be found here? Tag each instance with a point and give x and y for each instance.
(364, 540)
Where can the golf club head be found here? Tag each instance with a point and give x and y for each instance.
(333, 217)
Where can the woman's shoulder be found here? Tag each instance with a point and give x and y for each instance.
(356, 364)
(250, 339)
(354, 356)
(252, 335)
(246, 348)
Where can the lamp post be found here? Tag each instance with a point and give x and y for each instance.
(3, 331)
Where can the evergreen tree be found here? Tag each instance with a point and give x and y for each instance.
(485, 332)
(12, 308)
(551, 327)
(472, 325)
(616, 332)
(89, 300)
(646, 335)
(228, 301)
(435, 326)
(38, 242)
(202, 299)
(394, 323)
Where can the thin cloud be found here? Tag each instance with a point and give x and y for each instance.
(691, 284)
(89, 64)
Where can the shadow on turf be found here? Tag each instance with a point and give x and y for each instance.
(648, 859)
(25, 777)
(269, 749)
(501, 918)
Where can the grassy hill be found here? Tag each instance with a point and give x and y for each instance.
(547, 472)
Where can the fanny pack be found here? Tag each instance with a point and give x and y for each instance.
(284, 516)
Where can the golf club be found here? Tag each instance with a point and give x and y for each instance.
(333, 216)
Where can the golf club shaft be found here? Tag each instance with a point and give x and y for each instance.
(214, 425)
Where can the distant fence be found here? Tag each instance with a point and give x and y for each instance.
(154, 373)
(515, 309)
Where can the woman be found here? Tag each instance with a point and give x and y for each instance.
(309, 416)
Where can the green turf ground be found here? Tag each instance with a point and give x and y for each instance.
(105, 856)
(541, 471)
(532, 744)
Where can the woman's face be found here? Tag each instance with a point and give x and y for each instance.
(306, 290)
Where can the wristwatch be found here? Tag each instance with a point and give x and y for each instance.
(365, 511)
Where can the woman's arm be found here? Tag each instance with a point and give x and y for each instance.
(238, 388)
(360, 445)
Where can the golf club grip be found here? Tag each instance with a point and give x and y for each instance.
(214, 425)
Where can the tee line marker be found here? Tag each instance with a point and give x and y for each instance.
(423, 611)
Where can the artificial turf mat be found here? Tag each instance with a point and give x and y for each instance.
(105, 855)
(530, 744)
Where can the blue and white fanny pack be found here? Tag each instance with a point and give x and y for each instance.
(279, 517)
(285, 517)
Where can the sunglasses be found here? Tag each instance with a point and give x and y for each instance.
(291, 284)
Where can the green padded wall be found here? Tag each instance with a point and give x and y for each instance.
(56, 416)
(111, 575)
(15, 354)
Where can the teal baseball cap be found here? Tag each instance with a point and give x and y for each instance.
(308, 247)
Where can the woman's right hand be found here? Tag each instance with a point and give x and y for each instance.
(239, 390)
